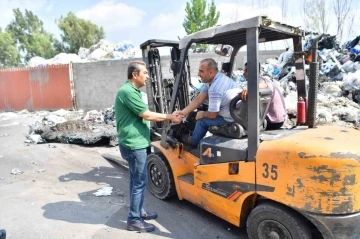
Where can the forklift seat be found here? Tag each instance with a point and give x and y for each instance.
(239, 112)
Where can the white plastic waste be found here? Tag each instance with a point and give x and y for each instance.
(37, 61)
(83, 52)
(105, 191)
(35, 139)
(97, 54)
(61, 112)
(16, 171)
(8, 115)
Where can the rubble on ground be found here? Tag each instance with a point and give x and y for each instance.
(88, 129)
(78, 132)
(68, 126)
(103, 50)
(16, 171)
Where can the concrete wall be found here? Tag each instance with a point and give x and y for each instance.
(97, 83)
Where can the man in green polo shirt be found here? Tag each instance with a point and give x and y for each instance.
(133, 128)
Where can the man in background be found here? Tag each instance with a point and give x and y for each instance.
(277, 114)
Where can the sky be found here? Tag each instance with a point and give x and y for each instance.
(138, 21)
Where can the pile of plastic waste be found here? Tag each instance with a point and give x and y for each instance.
(106, 50)
(103, 50)
(339, 80)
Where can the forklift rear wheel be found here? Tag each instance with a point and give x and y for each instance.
(270, 220)
(160, 177)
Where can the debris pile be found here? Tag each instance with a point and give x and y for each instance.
(339, 80)
(74, 127)
(79, 132)
(103, 50)
(70, 127)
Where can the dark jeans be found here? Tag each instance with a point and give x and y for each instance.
(203, 125)
(138, 180)
(2, 234)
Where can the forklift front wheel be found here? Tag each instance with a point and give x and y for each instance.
(274, 221)
(160, 178)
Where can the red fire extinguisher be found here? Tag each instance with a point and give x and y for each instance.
(301, 112)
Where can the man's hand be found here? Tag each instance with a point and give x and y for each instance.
(176, 117)
(244, 94)
(180, 112)
(200, 115)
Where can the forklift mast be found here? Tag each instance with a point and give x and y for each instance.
(159, 89)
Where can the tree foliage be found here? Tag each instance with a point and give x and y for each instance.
(9, 55)
(197, 19)
(78, 32)
(25, 37)
(342, 9)
(317, 15)
(29, 34)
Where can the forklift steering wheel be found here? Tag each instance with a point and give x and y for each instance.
(237, 110)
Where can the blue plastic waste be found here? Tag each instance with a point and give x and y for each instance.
(354, 50)
(124, 46)
(276, 71)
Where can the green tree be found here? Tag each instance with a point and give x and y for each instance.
(9, 55)
(29, 33)
(196, 18)
(78, 32)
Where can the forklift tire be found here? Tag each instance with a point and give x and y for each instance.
(272, 220)
(160, 178)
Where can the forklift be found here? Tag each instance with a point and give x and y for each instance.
(296, 183)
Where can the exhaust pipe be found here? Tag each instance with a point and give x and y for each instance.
(313, 83)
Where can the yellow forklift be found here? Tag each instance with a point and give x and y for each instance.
(296, 183)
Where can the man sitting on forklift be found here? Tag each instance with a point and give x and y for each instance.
(277, 114)
(220, 90)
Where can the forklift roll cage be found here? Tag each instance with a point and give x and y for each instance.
(248, 32)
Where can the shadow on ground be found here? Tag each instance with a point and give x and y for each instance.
(178, 219)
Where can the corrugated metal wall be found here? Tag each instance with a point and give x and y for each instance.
(35, 88)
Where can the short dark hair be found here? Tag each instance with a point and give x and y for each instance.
(134, 67)
(211, 63)
(259, 66)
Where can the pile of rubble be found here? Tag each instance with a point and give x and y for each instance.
(103, 50)
(76, 127)
(71, 127)
(339, 81)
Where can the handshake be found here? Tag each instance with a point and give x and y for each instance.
(176, 117)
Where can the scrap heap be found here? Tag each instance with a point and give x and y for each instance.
(72, 127)
(103, 50)
(339, 81)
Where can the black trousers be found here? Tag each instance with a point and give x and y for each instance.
(273, 126)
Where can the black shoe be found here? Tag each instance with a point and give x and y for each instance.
(2, 234)
(148, 215)
(140, 226)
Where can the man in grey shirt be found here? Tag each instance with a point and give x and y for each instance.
(220, 90)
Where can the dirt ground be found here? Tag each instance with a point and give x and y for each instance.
(53, 197)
